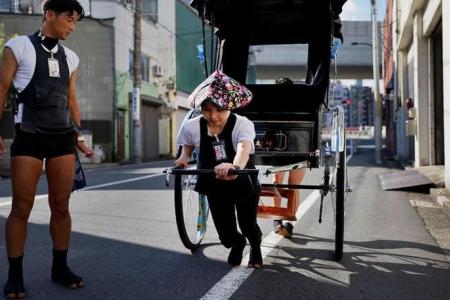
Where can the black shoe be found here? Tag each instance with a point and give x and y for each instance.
(255, 260)
(235, 256)
(65, 277)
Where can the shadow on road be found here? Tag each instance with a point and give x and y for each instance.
(378, 269)
(114, 269)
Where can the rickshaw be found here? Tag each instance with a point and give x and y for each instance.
(287, 118)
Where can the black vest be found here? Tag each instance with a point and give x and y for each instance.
(45, 98)
(241, 187)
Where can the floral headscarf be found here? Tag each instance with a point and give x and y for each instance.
(222, 90)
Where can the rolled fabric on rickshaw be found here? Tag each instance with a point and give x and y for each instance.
(278, 213)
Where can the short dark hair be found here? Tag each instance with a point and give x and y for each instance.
(60, 6)
(210, 101)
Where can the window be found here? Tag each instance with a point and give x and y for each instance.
(145, 66)
(150, 10)
(130, 63)
(5, 5)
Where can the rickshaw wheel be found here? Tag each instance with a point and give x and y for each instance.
(340, 197)
(191, 211)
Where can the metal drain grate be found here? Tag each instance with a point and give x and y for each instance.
(404, 180)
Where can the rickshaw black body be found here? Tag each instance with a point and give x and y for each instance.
(295, 109)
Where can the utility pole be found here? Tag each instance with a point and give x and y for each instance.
(136, 95)
(376, 85)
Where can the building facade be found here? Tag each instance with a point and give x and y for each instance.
(421, 96)
(361, 107)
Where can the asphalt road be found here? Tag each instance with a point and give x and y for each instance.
(126, 246)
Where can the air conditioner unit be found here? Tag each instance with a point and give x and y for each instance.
(157, 71)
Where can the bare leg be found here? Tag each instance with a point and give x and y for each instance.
(25, 173)
(278, 179)
(296, 177)
(60, 172)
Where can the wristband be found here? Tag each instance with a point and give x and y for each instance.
(77, 127)
(236, 167)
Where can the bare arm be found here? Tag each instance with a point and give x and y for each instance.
(75, 113)
(243, 151)
(8, 69)
(73, 102)
(244, 148)
(186, 152)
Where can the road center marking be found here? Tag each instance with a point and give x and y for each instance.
(93, 187)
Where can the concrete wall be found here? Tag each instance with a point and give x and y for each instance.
(446, 51)
(421, 92)
(417, 21)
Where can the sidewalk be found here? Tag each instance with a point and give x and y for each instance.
(434, 216)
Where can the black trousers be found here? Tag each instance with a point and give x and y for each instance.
(224, 210)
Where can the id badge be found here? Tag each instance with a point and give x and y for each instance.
(53, 67)
(219, 150)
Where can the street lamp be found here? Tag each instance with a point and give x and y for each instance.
(376, 78)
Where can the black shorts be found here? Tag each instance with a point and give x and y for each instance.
(40, 146)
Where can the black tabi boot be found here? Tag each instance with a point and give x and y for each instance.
(235, 256)
(61, 273)
(14, 286)
(255, 259)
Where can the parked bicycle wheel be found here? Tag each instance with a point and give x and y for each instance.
(191, 211)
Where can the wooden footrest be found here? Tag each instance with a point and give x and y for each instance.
(279, 213)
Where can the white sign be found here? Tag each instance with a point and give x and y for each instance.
(136, 104)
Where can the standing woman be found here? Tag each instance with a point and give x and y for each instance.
(225, 141)
(46, 122)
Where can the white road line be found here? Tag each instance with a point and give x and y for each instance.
(95, 186)
(226, 287)
(120, 182)
(229, 284)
